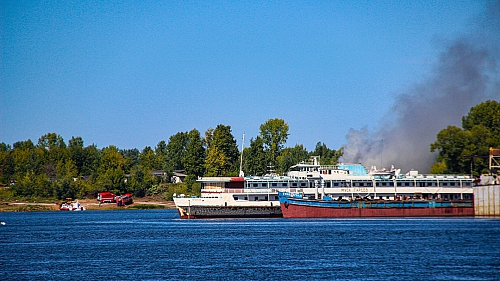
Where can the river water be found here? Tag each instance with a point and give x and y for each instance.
(157, 245)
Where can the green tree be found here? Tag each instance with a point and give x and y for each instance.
(111, 174)
(451, 143)
(194, 158)
(275, 134)
(4, 147)
(327, 156)
(216, 163)
(209, 135)
(460, 150)
(222, 154)
(31, 185)
(161, 155)
(51, 141)
(255, 158)
(176, 149)
(147, 159)
(438, 168)
(291, 156)
(131, 159)
(26, 158)
(76, 154)
(7, 165)
(91, 162)
(66, 186)
(54, 150)
(487, 114)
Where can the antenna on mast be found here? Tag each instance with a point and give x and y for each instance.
(241, 156)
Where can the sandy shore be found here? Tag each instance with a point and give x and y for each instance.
(89, 204)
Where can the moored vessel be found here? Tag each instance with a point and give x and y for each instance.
(296, 206)
(349, 190)
(72, 206)
(235, 197)
(312, 190)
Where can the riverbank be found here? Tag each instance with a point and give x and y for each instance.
(89, 204)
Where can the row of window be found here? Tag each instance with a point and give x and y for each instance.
(274, 184)
(329, 184)
(256, 198)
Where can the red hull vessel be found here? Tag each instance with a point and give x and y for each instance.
(301, 211)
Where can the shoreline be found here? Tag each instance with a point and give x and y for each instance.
(89, 204)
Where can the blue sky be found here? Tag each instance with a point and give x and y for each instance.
(133, 73)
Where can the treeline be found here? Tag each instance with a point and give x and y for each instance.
(52, 168)
(465, 150)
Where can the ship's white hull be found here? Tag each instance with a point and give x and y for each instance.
(222, 204)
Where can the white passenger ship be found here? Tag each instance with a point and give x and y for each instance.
(252, 196)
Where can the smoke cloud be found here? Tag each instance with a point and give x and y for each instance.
(466, 74)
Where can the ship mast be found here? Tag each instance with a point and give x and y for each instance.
(241, 156)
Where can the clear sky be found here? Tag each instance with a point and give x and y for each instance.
(133, 73)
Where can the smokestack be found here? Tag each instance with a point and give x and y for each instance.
(466, 74)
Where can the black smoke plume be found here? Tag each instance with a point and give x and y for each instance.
(466, 74)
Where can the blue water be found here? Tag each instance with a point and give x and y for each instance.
(157, 245)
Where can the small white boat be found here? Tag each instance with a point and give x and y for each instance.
(73, 206)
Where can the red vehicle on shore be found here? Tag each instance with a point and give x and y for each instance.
(125, 199)
(106, 197)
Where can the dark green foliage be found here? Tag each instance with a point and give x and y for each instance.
(255, 158)
(327, 156)
(175, 151)
(274, 134)
(131, 157)
(52, 169)
(5, 147)
(222, 154)
(465, 150)
(76, 152)
(290, 157)
(161, 155)
(194, 158)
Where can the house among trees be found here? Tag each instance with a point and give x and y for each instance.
(179, 176)
(159, 173)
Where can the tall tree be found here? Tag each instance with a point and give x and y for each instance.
(7, 165)
(27, 158)
(222, 154)
(254, 158)
(487, 114)
(327, 156)
(194, 159)
(209, 135)
(216, 163)
(54, 150)
(76, 154)
(147, 159)
(131, 159)
(451, 143)
(291, 156)
(176, 149)
(92, 159)
(51, 141)
(275, 134)
(466, 148)
(161, 155)
(111, 174)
